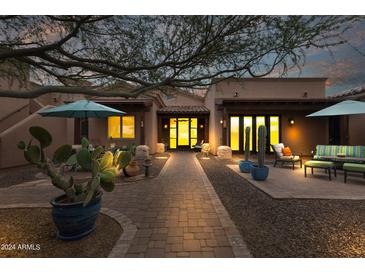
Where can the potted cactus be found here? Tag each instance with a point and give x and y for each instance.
(245, 165)
(260, 172)
(74, 213)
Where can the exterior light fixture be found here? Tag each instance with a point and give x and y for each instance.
(142, 124)
(291, 121)
(201, 126)
(165, 126)
(221, 121)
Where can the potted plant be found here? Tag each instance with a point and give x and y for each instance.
(260, 172)
(245, 165)
(131, 168)
(74, 213)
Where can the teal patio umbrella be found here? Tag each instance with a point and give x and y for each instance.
(81, 109)
(348, 107)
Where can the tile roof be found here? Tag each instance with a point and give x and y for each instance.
(350, 92)
(183, 110)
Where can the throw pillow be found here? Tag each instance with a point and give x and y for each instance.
(287, 151)
(279, 149)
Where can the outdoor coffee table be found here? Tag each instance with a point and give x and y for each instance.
(326, 165)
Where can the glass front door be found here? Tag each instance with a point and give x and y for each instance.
(183, 132)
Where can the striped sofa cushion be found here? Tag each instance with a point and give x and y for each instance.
(349, 151)
(326, 150)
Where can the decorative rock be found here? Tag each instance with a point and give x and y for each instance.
(160, 148)
(224, 152)
(142, 152)
(205, 149)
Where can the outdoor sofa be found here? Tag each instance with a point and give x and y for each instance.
(340, 154)
(349, 158)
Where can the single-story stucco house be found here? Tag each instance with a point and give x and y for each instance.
(183, 119)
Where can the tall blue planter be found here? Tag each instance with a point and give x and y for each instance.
(245, 166)
(259, 173)
(73, 220)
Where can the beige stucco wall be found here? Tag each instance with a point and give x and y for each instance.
(305, 134)
(183, 100)
(302, 137)
(11, 156)
(357, 129)
(151, 128)
(267, 88)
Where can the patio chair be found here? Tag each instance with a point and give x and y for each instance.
(198, 146)
(281, 158)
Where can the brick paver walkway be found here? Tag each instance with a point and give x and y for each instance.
(177, 214)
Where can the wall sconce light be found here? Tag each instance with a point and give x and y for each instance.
(142, 124)
(165, 126)
(291, 121)
(221, 121)
(201, 126)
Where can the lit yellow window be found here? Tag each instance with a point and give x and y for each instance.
(128, 127)
(172, 133)
(247, 122)
(235, 133)
(193, 131)
(114, 127)
(274, 130)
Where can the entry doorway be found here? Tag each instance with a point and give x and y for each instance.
(183, 132)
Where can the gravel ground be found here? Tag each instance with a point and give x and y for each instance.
(17, 175)
(288, 227)
(18, 226)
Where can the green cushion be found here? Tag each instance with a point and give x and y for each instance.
(354, 167)
(319, 164)
(348, 151)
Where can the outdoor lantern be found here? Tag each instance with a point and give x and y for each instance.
(201, 126)
(165, 126)
(142, 125)
(291, 121)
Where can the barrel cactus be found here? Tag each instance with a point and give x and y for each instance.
(103, 173)
(247, 143)
(261, 145)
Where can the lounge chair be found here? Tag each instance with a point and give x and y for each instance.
(280, 158)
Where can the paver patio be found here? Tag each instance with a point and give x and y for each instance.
(177, 214)
(287, 183)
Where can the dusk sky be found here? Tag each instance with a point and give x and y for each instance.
(344, 67)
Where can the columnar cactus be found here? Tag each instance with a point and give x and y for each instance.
(262, 145)
(103, 173)
(247, 143)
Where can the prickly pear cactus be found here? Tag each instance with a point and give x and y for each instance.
(103, 170)
(262, 145)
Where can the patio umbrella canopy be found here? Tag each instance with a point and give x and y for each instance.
(348, 107)
(81, 109)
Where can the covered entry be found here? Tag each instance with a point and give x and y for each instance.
(183, 127)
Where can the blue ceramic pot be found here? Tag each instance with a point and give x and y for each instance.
(259, 173)
(73, 220)
(245, 166)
